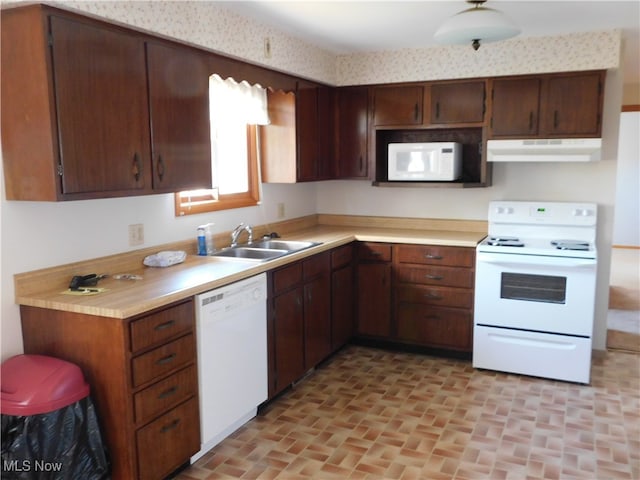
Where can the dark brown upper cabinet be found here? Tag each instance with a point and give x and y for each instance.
(179, 107)
(457, 102)
(397, 105)
(76, 93)
(572, 105)
(297, 145)
(542, 106)
(101, 105)
(314, 131)
(516, 106)
(351, 132)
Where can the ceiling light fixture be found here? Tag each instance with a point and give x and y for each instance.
(476, 24)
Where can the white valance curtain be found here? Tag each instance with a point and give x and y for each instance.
(240, 102)
(233, 106)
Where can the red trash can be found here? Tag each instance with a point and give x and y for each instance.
(49, 425)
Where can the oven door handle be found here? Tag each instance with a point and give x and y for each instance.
(536, 260)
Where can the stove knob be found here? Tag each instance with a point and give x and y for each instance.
(504, 210)
(582, 212)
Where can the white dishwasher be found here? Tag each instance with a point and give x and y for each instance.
(232, 357)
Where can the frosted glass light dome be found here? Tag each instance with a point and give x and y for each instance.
(475, 25)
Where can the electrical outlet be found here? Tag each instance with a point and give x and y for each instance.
(267, 47)
(281, 210)
(136, 234)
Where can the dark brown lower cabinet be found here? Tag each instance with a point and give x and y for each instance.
(288, 329)
(342, 296)
(142, 372)
(433, 292)
(442, 327)
(374, 300)
(374, 290)
(299, 321)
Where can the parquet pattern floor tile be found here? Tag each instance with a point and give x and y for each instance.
(374, 414)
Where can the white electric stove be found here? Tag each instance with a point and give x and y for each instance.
(535, 290)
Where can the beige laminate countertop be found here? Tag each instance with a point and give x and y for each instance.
(162, 286)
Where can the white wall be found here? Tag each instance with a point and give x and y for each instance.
(37, 235)
(44, 234)
(626, 229)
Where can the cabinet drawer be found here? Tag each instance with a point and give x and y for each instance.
(287, 277)
(163, 359)
(165, 394)
(436, 255)
(168, 442)
(432, 275)
(341, 256)
(159, 327)
(316, 265)
(380, 252)
(435, 326)
(444, 296)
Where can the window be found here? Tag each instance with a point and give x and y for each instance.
(235, 111)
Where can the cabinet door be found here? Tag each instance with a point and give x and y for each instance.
(573, 105)
(398, 105)
(374, 299)
(307, 133)
(341, 306)
(515, 107)
(179, 102)
(278, 139)
(351, 132)
(317, 320)
(101, 100)
(326, 117)
(288, 338)
(461, 102)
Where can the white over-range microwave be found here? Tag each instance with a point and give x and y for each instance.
(425, 161)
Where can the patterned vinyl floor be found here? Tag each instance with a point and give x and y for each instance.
(374, 414)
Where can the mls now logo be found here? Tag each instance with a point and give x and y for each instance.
(30, 466)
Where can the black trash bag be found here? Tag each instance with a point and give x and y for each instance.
(65, 444)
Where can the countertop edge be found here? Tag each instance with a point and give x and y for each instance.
(194, 276)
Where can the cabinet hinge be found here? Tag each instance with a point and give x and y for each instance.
(60, 169)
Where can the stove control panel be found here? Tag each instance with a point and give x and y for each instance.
(545, 213)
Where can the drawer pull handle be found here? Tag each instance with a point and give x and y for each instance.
(167, 359)
(432, 257)
(375, 254)
(433, 296)
(432, 317)
(162, 326)
(434, 277)
(170, 426)
(168, 392)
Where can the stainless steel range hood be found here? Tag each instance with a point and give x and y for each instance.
(545, 150)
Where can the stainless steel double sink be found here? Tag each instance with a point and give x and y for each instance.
(264, 250)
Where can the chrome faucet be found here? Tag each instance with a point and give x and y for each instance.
(236, 233)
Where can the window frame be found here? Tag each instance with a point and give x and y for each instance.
(208, 202)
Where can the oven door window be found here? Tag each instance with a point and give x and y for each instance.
(533, 288)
